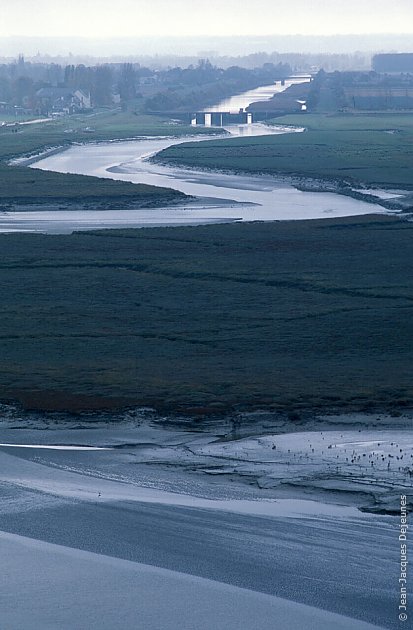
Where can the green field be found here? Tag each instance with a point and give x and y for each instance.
(367, 149)
(287, 316)
(23, 185)
(98, 127)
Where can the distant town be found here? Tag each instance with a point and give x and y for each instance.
(30, 89)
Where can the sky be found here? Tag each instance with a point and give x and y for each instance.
(181, 18)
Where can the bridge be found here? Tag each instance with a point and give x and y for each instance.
(221, 119)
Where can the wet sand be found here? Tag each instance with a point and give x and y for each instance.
(149, 498)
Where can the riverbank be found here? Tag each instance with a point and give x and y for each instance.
(399, 201)
(394, 200)
(220, 196)
(336, 153)
(21, 186)
(210, 319)
(23, 189)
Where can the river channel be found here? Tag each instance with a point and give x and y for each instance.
(221, 197)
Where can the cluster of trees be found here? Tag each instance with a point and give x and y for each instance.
(20, 81)
(171, 88)
(204, 84)
(103, 81)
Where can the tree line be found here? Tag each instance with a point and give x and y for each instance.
(20, 81)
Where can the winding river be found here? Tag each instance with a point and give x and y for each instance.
(221, 197)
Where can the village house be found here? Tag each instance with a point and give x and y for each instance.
(61, 100)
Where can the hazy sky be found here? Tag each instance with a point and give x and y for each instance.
(105, 18)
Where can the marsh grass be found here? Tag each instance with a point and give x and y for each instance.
(367, 149)
(285, 316)
(21, 184)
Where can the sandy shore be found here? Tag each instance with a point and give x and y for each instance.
(79, 589)
(354, 463)
(182, 518)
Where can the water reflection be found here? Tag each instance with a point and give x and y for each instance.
(263, 93)
(221, 196)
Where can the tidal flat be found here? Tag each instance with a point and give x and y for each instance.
(286, 316)
(197, 512)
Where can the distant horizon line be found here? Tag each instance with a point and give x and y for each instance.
(209, 36)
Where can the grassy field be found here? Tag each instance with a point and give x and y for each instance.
(20, 184)
(101, 126)
(22, 187)
(369, 149)
(290, 315)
